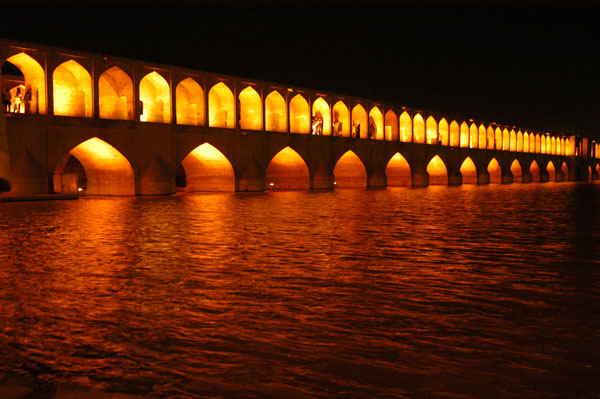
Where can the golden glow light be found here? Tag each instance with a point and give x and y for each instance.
(341, 119)
(115, 90)
(473, 136)
(321, 110)
(468, 171)
(551, 171)
(418, 129)
(72, 90)
(359, 116)
(250, 109)
(495, 171)
(391, 126)
(155, 97)
(513, 140)
(438, 174)
(443, 131)
(517, 171)
(299, 115)
(375, 113)
(34, 78)
(490, 138)
(287, 170)
(221, 111)
(349, 171)
(534, 169)
(482, 137)
(275, 114)
(431, 130)
(207, 169)
(189, 103)
(405, 127)
(464, 135)
(454, 134)
(398, 171)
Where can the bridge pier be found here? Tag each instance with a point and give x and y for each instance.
(527, 177)
(455, 178)
(507, 176)
(483, 177)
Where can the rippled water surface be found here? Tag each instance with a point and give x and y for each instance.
(443, 292)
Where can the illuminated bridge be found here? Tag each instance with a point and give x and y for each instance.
(102, 125)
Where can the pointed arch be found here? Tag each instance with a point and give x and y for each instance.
(548, 144)
(405, 128)
(250, 109)
(551, 171)
(534, 169)
(359, 122)
(438, 174)
(376, 117)
(505, 140)
(115, 94)
(513, 140)
(565, 169)
(275, 114)
(299, 115)
(221, 110)
(562, 146)
(341, 120)
(519, 141)
(431, 130)
(464, 135)
(473, 136)
(35, 78)
(349, 171)
(468, 171)
(207, 169)
(72, 90)
(553, 145)
(532, 143)
(482, 143)
(443, 131)
(398, 171)
(287, 171)
(391, 126)
(568, 147)
(517, 171)
(525, 142)
(189, 103)
(155, 96)
(542, 144)
(498, 139)
(454, 134)
(98, 168)
(495, 171)
(322, 115)
(418, 129)
(490, 138)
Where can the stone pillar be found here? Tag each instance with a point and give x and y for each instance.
(507, 176)
(420, 177)
(454, 177)
(483, 176)
(527, 177)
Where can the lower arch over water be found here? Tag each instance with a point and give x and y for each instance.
(495, 171)
(287, 171)
(517, 171)
(534, 169)
(551, 171)
(349, 171)
(207, 169)
(438, 174)
(468, 171)
(398, 171)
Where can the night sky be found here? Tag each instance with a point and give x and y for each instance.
(533, 66)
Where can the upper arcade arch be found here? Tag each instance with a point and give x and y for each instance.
(207, 169)
(519, 141)
(418, 129)
(221, 108)
(454, 134)
(72, 90)
(250, 109)
(115, 94)
(391, 126)
(513, 140)
(189, 103)
(464, 135)
(443, 131)
(341, 120)
(275, 114)
(490, 138)
(405, 127)
(349, 171)
(287, 171)
(359, 122)
(376, 124)
(505, 140)
(299, 115)
(34, 80)
(473, 136)
(155, 98)
(431, 130)
(482, 138)
(321, 117)
(526, 142)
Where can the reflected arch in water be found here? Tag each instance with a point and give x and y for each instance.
(287, 171)
(534, 169)
(438, 174)
(551, 171)
(495, 171)
(207, 169)
(349, 171)
(398, 171)
(99, 166)
(517, 171)
(468, 171)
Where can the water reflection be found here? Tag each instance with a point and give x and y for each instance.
(463, 292)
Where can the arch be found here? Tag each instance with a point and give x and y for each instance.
(568, 148)
(562, 146)
(598, 169)
(376, 117)
(299, 115)
(468, 171)
(189, 103)
(405, 128)
(519, 141)
(525, 142)
(548, 144)
(72, 92)
(115, 94)
(553, 145)
(221, 111)
(287, 171)
(482, 138)
(349, 171)
(275, 114)
(322, 115)
(418, 129)
(490, 138)
(391, 126)
(464, 135)
(431, 130)
(495, 171)
(473, 136)
(517, 171)
(532, 144)
(34, 77)
(505, 140)
(341, 119)
(155, 96)
(534, 169)
(443, 131)
(207, 169)
(98, 168)
(454, 134)
(538, 143)
(551, 171)
(438, 174)
(565, 170)
(398, 171)
(498, 139)
(513, 141)
(359, 121)
(542, 144)
(250, 109)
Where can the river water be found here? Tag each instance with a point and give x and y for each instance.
(439, 292)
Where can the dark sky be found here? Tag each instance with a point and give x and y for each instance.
(535, 66)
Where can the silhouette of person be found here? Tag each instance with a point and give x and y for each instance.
(17, 101)
(27, 100)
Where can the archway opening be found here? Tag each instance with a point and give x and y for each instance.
(405, 127)
(287, 171)
(115, 91)
(276, 117)
(376, 124)
(72, 90)
(443, 132)
(454, 134)
(534, 169)
(551, 171)
(221, 111)
(321, 119)
(490, 138)
(525, 142)
(482, 138)
(341, 120)
(498, 139)
(391, 126)
(22, 70)
(473, 136)
(589, 173)
(464, 135)
(519, 141)
(299, 115)
(431, 130)
(94, 167)
(189, 98)
(505, 140)
(155, 99)
(517, 171)
(359, 122)
(418, 129)
(349, 171)
(206, 169)
(495, 171)
(398, 171)
(513, 141)
(468, 171)
(565, 170)
(250, 109)
(438, 174)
